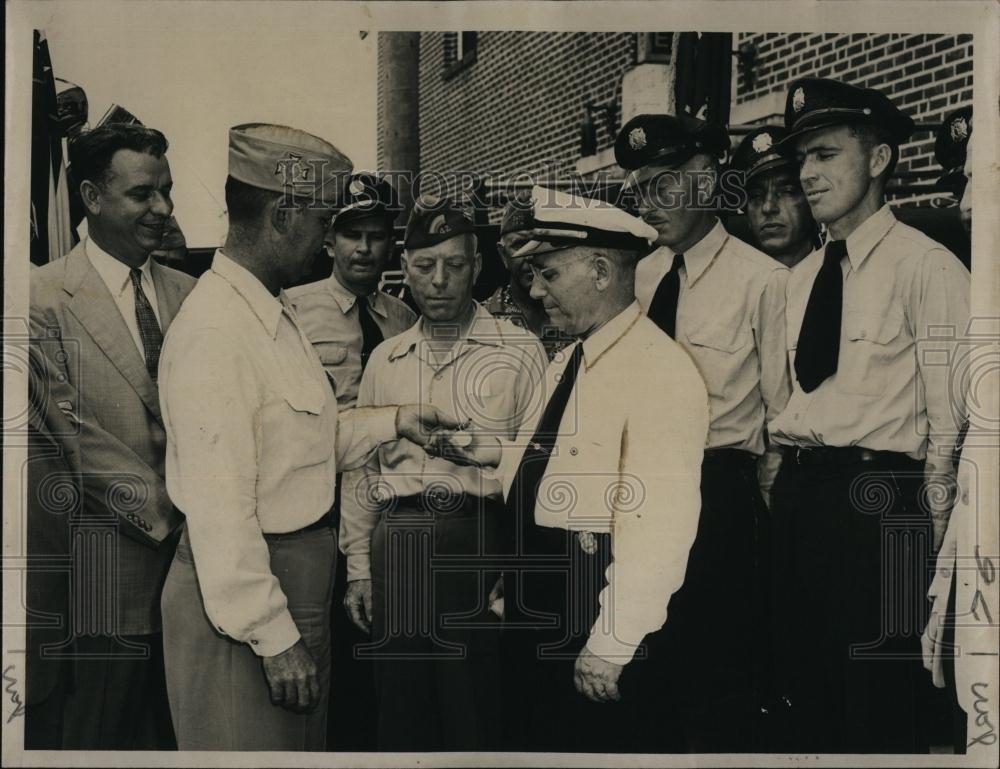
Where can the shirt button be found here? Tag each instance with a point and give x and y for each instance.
(946, 573)
(254, 641)
(574, 450)
(819, 435)
(439, 376)
(863, 333)
(796, 416)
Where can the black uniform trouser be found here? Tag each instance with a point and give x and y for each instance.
(434, 643)
(852, 563)
(719, 620)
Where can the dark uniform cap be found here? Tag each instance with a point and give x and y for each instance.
(951, 146)
(814, 103)
(517, 214)
(761, 151)
(667, 141)
(367, 195)
(434, 220)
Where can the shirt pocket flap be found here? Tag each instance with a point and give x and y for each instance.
(330, 353)
(880, 328)
(722, 337)
(306, 397)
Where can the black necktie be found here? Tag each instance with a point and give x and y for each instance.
(819, 337)
(524, 488)
(149, 328)
(663, 308)
(371, 334)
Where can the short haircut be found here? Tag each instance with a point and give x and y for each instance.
(91, 152)
(245, 203)
(871, 136)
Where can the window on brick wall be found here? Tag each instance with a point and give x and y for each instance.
(459, 51)
(654, 47)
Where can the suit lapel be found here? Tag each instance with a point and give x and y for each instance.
(168, 295)
(95, 308)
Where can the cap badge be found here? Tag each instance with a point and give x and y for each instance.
(356, 187)
(959, 129)
(798, 100)
(439, 226)
(637, 138)
(762, 143)
(293, 169)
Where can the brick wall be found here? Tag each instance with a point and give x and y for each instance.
(518, 105)
(927, 76)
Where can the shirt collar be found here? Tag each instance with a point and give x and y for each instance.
(602, 340)
(484, 330)
(115, 273)
(698, 258)
(266, 307)
(869, 234)
(345, 299)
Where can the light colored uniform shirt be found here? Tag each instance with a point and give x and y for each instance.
(326, 312)
(731, 320)
(254, 441)
(492, 376)
(118, 278)
(905, 306)
(627, 460)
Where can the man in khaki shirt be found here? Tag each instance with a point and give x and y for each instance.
(254, 440)
(423, 525)
(863, 496)
(723, 301)
(346, 317)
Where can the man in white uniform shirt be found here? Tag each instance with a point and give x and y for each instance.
(604, 490)
(865, 491)
(254, 441)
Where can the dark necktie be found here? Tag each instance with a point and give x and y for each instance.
(819, 337)
(663, 308)
(149, 328)
(524, 488)
(371, 334)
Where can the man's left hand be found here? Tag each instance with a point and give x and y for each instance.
(418, 422)
(596, 678)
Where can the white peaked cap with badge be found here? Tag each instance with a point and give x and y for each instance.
(562, 220)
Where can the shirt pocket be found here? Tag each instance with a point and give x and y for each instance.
(294, 429)
(720, 338)
(868, 349)
(330, 353)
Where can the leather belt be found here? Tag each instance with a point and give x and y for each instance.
(730, 455)
(445, 504)
(840, 455)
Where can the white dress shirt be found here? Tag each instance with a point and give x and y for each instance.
(254, 441)
(117, 277)
(731, 321)
(627, 460)
(905, 312)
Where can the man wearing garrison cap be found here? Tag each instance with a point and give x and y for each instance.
(781, 224)
(513, 301)
(422, 528)
(602, 488)
(865, 491)
(254, 442)
(724, 303)
(951, 151)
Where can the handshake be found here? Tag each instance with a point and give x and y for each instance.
(445, 437)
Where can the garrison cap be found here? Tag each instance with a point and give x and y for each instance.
(516, 214)
(813, 103)
(761, 151)
(367, 195)
(434, 220)
(951, 146)
(287, 160)
(656, 141)
(560, 220)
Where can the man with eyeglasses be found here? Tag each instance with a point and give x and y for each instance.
(723, 301)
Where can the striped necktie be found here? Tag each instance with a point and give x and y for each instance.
(149, 328)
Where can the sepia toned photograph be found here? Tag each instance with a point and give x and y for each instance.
(480, 384)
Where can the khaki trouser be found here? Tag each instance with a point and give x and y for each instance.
(219, 697)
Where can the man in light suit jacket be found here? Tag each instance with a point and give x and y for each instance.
(101, 312)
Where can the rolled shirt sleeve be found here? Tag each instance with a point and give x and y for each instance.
(211, 414)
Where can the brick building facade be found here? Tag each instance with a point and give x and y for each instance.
(507, 103)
